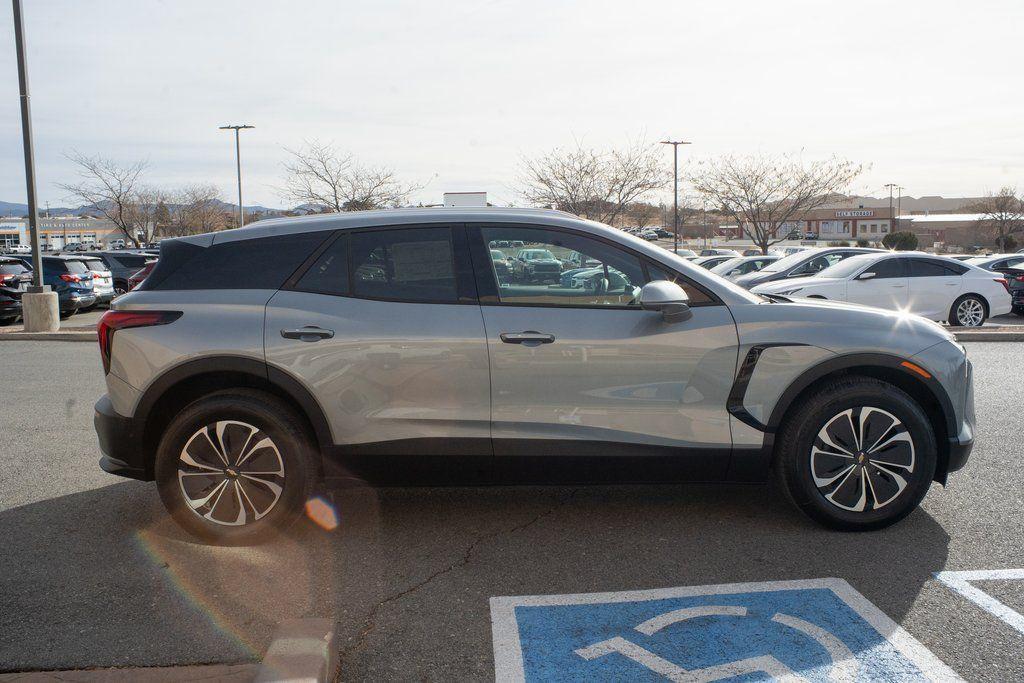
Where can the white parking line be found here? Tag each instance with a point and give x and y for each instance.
(961, 583)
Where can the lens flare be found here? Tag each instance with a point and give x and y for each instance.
(322, 513)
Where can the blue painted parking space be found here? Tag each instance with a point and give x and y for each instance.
(816, 630)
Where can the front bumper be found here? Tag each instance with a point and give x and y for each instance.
(121, 443)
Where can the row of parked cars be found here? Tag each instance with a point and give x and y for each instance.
(82, 280)
(962, 291)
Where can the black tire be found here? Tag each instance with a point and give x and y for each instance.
(64, 315)
(291, 452)
(799, 444)
(7, 321)
(957, 311)
(1018, 310)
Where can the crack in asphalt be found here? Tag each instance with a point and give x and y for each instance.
(467, 554)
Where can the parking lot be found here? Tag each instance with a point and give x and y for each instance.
(94, 573)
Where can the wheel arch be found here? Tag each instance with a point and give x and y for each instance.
(888, 368)
(184, 383)
(982, 297)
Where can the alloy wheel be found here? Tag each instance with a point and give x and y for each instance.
(970, 313)
(230, 473)
(862, 458)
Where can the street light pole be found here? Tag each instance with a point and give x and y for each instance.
(30, 160)
(892, 218)
(675, 187)
(899, 204)
(238, 164)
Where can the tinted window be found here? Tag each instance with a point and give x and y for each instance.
(129, 260)
(893, 267)
(927, 268)
(262, 263)
(76, 267)
(414, 264)
(95, 264)
(329, 274)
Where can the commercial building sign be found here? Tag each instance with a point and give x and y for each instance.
(862, 213)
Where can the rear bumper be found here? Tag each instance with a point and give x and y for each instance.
(121, 444)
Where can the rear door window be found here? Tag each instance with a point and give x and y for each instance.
(404, 264)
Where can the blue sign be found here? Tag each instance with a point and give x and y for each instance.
(816, 630)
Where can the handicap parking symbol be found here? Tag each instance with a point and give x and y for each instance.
(813, 630)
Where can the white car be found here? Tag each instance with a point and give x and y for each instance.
(936, 287)
(741, 265)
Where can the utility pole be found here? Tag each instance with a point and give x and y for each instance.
(675, 186)
(892, 217)
(39, 304)
(238, 164)
(899, 204)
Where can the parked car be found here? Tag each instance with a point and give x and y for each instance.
(235, 387)
(649, 235)
(751, 252)
(15, 277)
(536, 265)
(686, 253)
(138, 277)
(719, 252)
(70, 278)
(663, 233)
(1011, 266)
(741, 265)
(934, 287)
(810, 235)
(17, 249)
(102, 280)
(710, 262)
(787, 251)
(803, 263)
(501, 264)
(122, 264)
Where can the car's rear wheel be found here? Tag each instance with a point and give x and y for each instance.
(968, 311)
(858, 454)
(235, 466)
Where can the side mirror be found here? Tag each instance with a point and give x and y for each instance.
(668, 298)
(866, 276)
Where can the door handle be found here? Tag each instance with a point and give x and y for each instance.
(527, 338)
(309, 333)
(898, 286)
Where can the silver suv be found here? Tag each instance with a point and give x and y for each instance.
(253, 362)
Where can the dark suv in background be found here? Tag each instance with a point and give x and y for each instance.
(71, 278)
(122, 265)
(14, 277)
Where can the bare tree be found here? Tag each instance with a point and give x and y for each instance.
(1003, 215)
(320, 175)
(111, 190)
(764, 194)
(595, 184)
(642, 214)
(196, 209)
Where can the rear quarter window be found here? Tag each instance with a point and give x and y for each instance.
(260, 263)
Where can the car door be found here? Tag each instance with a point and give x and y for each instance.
(577, 368)
(934, 286)
(384, 330)
(887, 288)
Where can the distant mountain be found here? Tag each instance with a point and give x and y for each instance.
(16, 210)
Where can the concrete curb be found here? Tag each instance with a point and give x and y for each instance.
(69, 336)
(302, 650)
(987, 336)
(242, 673)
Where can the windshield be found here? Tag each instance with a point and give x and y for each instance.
(847, 267)
(725, 266)
(787, 262)
(538, 254)
(497, 255)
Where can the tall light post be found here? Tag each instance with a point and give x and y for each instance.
(238, 164)
(899, 204)
(675, 190)
(892, 217)
(39, 304)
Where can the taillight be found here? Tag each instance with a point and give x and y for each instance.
(67, 277)
(112, 321)
(8, 279)
(1019, 278)
(1004, 283)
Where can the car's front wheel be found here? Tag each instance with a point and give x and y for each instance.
(858, 454)
(235, 466)
(968, 311)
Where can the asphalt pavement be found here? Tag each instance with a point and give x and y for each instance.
(93, 574)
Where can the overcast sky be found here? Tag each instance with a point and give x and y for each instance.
(455, 94)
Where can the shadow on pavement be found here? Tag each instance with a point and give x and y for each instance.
(104, 578)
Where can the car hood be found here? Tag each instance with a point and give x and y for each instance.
(545, 261)
(755, 278)
(838, 326)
